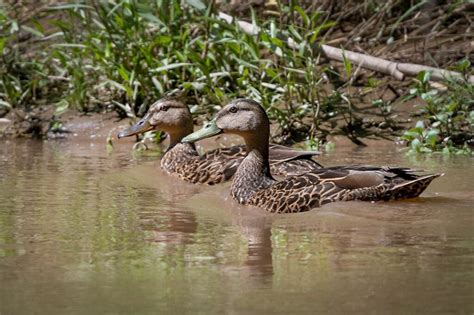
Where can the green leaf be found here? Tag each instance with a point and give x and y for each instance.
(5, 104)
(273, 29)
(61, 107)
(14, 27)
(246, 64)
(424, 76)
(74, 6)
(411, 134)
(329, 146)
(463, 65)
(432, 132)
(303, 14)
(347, 64)
(123, 73)
(318, 29)
(3, 40)
(295, 33)
(115, 8)
(432, 137)
(157, 84)
(38, 26)
(119, 86)
(378, 102)
(372, 82)
(426, 97)
(198, 4)
(70, 45)
(152, 18)
(415, 145)
(170, 66)
(442, 117)
(451, 107)
(277, 42)
(417, 130)
(271, 73)
(413, 91)
(420, 124)
(164, 40)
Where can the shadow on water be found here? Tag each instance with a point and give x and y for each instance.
(83, 231)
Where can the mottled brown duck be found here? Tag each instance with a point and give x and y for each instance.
(172, 116)
(253, 183)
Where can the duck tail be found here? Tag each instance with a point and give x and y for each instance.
(413, 188)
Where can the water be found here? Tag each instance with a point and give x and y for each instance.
(87, 232)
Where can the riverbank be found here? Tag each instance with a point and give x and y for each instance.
(79, 59)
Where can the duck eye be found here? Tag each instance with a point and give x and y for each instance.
(233, 109)
(164, 108)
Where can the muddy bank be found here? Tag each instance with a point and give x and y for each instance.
(372, 121)
(76, 127)
(43, 124)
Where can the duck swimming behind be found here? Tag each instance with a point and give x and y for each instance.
(253, 183)
(172, 116)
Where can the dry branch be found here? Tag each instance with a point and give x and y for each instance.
(395, 69)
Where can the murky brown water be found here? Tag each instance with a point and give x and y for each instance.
(86, 232)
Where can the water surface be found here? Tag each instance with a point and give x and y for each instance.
(83, 231)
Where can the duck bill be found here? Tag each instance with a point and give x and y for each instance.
(143, 125)
(210, 129)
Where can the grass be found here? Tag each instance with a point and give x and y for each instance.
(123, 55)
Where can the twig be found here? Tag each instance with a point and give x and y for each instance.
(436, 74)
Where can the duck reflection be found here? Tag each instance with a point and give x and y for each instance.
(175, 228)
(258, 233)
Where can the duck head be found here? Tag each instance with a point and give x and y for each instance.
(243, 117)
(168, 114)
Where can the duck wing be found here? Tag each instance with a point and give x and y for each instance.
(285, 161)
(225, 153)
(321, 186)
(218, 165)
(221, 164)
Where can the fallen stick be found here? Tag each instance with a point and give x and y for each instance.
(412, 70)
(365, 61)
(395, 69)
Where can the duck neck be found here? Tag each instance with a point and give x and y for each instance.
(260, 146)
(178, 153)
(176, 136)
(253, 173)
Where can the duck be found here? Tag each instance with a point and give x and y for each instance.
(253, 183)
(172, 116)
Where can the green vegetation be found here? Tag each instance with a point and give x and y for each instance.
(121, 56)
(448, 116)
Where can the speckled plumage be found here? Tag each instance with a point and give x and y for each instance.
(254, 185)
(216, 166)
(211, 168)
(219, 165)
(321, 186)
